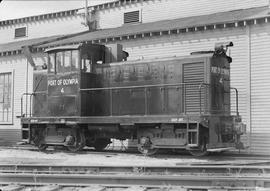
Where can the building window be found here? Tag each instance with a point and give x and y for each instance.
(5, 97)
(132, 17)
(20, 32)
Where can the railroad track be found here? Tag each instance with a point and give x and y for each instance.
(154, 178)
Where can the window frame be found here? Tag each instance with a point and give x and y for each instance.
(11, 117)
(59, 69)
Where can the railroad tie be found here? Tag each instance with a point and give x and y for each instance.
(11, 188)
(177, 188)
(136, 188)
(49, 188)
(93, 188)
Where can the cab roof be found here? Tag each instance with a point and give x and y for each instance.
(61, 48)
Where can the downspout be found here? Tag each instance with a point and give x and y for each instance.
(27, 81)
(249, 114)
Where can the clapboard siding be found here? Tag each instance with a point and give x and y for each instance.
(260, 89)
(9, 136)
(157, 10)
(43, 28)
(150, 11)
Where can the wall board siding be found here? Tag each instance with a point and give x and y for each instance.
(43, 28)
(260, 89)
(150, 11)
(9, 137)
(171, 9)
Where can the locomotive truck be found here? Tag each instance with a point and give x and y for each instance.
(91, 94)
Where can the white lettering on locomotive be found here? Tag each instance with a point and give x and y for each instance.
(52, 82)
(70, 81)
(65, 82)
(59, 82)
(218, 70)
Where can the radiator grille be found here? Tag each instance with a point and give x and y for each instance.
(132, 17)
(193, 77)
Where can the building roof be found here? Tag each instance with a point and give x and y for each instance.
(237, 18)
(15, 47)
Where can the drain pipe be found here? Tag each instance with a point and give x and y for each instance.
(249, 112)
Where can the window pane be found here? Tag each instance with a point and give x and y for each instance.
(75, 60)
(51, 63)
(67, 64)
(59, 62)
(86, 65)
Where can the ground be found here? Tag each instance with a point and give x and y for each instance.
(115, 154)
(89, 157)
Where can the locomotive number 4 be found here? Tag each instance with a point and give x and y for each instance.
(62, 90)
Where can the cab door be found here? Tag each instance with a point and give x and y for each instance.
(63, 83)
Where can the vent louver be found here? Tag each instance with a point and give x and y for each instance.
(132, 17)
(193, 77)
(20, 32)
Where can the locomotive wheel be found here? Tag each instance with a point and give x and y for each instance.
(201, 150)
(39, 141)
(42, 147)
(101, 144)
(79, 141)
(147, 151)
(145, 147)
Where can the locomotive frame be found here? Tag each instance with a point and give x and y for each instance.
(167, 103)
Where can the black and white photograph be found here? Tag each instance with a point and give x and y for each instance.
(134, 95)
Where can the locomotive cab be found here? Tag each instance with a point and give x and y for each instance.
(70, 69)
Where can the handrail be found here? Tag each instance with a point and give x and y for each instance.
(236, 96)
(131, 87)
(31, 95)
(183, 86)
(26, 94)
(200, 94)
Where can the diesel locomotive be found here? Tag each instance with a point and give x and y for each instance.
(91, 94)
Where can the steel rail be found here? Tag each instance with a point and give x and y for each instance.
(230, 176)
(131, 179)
(23, 187)
(182, 170)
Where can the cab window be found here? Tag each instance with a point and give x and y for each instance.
(51, 61)
(62, 62)
(67, 62)
(74, 60)
(86, 65)
(59, 62)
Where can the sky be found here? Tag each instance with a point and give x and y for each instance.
(12, 9)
